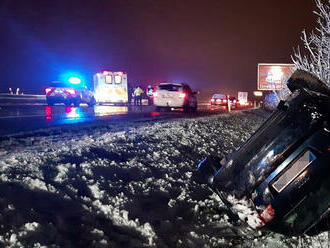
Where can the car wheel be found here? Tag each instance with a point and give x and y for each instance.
(67, 103)
(194, 109)
(186, 107)
(76, 103)
(92, 102)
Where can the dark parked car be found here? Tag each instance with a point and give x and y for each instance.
(69, 94)
(222, 100)
(280, 178)
(219, 99)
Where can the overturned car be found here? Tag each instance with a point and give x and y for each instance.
(280, 178)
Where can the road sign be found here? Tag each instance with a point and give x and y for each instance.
(273, 76)
(242, 97)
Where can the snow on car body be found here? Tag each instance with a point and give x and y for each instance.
(280, 178)
(174, 95)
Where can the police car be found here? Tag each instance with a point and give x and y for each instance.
(175, 95)
(69, 94)
(280, 178)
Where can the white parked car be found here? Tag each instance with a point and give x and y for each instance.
(174, 95)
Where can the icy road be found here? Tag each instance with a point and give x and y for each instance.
(26, 117)
(126, 185)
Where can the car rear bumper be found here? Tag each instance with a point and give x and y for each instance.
(168, 103)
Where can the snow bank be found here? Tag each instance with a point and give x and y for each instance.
(127, 186)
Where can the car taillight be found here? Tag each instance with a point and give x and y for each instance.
(212, 100)
(71, 91)
(267, 214)
(224, 100)
(48, 110)
(182, 95)
(234, 101)
(48, 90)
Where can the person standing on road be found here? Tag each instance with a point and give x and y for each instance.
(138, 96)
(150, 95)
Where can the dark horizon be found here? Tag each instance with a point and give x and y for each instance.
(210, 45)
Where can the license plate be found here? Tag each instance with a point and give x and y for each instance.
(295, 168)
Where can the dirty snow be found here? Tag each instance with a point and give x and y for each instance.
(125, 186)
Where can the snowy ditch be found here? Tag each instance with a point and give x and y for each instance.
(127, 186)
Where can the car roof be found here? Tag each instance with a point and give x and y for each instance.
(176, 84)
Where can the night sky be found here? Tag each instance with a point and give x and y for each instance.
(210, 44)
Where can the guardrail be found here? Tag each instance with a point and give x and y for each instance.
(11, 98)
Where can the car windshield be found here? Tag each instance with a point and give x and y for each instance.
(170, 87)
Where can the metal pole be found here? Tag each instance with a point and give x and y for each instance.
(228, 104)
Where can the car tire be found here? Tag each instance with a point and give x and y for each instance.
(194, 109)
(92, 102)
(67, 103)
(186, 107)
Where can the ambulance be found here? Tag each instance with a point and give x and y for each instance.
(111, 87)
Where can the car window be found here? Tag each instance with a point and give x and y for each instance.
(170, 87)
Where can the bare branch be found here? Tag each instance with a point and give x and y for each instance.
(316, 58)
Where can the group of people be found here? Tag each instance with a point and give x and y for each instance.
(11, 92)
(138, 94)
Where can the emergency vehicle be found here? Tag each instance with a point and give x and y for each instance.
(73, 92)
(111, 87)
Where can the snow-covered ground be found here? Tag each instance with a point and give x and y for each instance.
(125, 185)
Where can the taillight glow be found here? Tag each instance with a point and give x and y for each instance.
(71, 91)
(224, 100)
(48, 90)
(182, 95)
(48, 110)
(212, 100)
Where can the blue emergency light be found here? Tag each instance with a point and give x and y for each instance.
(74, 80)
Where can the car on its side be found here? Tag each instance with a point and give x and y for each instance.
(280, 178)
(69, 94)
(175, 95)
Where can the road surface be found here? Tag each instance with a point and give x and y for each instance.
(15, 119)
